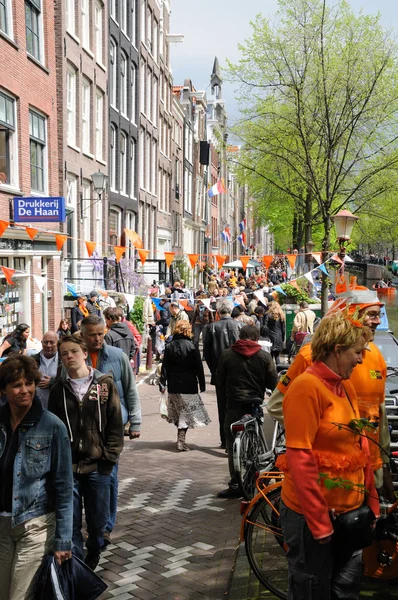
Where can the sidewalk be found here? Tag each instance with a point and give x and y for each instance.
(174, 539)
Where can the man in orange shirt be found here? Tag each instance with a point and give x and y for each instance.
(368, 380)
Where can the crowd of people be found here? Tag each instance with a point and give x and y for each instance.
(66, 410)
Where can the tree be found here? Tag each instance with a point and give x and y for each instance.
(319, 94)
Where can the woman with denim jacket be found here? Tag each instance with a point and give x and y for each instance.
(36, 489)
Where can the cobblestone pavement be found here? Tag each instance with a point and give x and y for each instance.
(174, 539)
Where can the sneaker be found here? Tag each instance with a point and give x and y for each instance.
(232, 491)
(222, 446)
(92, 560)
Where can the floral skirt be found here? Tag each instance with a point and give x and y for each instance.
(187, 411)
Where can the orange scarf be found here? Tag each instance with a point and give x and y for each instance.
(83, 310)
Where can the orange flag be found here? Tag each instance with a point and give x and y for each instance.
(294, 284)
(143, 254)
(220, 260)
(318, 257)
(267, 260)
(184, 303)
(244, 260)
(193, 258)
(3, 226)
(134, 238)
(119, 251)
(32, 233)
(60, 240)
(90, 247)
(292, 260)
(8, 273)
(169, 257)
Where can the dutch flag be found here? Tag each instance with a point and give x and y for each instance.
(217, 188)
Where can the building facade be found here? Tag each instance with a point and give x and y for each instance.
(123, 81)
(29, 136)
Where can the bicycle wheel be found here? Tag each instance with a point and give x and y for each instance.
(249, 449)
(264, 544)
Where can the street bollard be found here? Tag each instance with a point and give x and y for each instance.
(148, 364)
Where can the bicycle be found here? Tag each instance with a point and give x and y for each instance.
(251, 455)
(265, 548)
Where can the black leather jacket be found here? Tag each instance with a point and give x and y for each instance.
(219, 336)
(182, 367)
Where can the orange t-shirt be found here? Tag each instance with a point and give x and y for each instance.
(368, 380)
(308, 426)
(94, 359)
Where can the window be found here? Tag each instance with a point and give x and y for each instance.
(71, 106)
(86, 210)
(37, 133)
(123, 164)
(112, 159)
(86, 101)
(132, 169)
(148, 162)
(98, 13)
(153, 167)
(143, 20)
(113, 72)
(5, 17)
(142, 88)
(148, 105)
(98, 227)
(99, 124)
(134, 22)
(133, 86)
(33, 27)
(123, 15)
(71, 203)
(115, 225)
(149, 31)
(188, 191)
(123, 84)
(142, 159)
(155, 40)
(8, 141)
(70, 16)
(177, 179)
(112, 9)
(155, 101)
(85, 12)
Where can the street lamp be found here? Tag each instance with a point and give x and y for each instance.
(344, 222)
(99, 182)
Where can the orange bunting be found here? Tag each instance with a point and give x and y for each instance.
(8, 273)
(103, 293)
(169, 257)
(220, 260)
(337, 258)
(245, 261)
(3, 226)
(134, 238)
(193, 259)
(143, 254)
(267, 260)
(318, 257)
(32, 233)
(294, 284)
(184, 304)
(119, 251)
(60, 240)
(292, 260)
(90, 247)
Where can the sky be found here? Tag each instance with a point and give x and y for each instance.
(216, 27)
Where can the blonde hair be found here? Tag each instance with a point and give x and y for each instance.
(337, 329)
(275, 311)
(183, 328)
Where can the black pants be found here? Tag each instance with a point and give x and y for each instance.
(317, 571)
(221, 405)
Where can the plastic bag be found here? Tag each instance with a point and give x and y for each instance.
(163, 406)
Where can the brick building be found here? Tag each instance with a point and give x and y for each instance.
(28, 161)
(81, 29)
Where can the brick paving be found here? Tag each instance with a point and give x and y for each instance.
(174, 539)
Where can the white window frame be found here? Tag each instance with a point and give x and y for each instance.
(7, 27)
(155, 35)
(143, 21)
(142, 87)
(149, 31)
(148, 94)
(112, 158)
(148, 162)
(141, 140)
(43, 143)
(123, 84)
(113, 49)
(98, 28)
(133, 89)
(98, 227)
(155, 89)
(71, 83)
(85, 21)
(70, 16)
(112, 9)
(10, 123)
(99, 125)
(123, 16)
(86, 210)
(36, 6)
(133, 170)
(133, 23)
(123, 163)
(153, 166)
(117, 211)
(86, 116)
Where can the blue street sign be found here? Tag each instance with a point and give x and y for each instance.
(39, 210)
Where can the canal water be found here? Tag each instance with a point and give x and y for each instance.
(392, 309)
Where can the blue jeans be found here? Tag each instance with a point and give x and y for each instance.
(94, 489)
(114, 486)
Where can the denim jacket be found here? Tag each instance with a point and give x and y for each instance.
(42, 473)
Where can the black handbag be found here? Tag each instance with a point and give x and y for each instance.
(353, 529)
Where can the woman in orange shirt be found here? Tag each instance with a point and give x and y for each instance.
(317, 452)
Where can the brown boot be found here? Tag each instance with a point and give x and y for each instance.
(181, 445)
